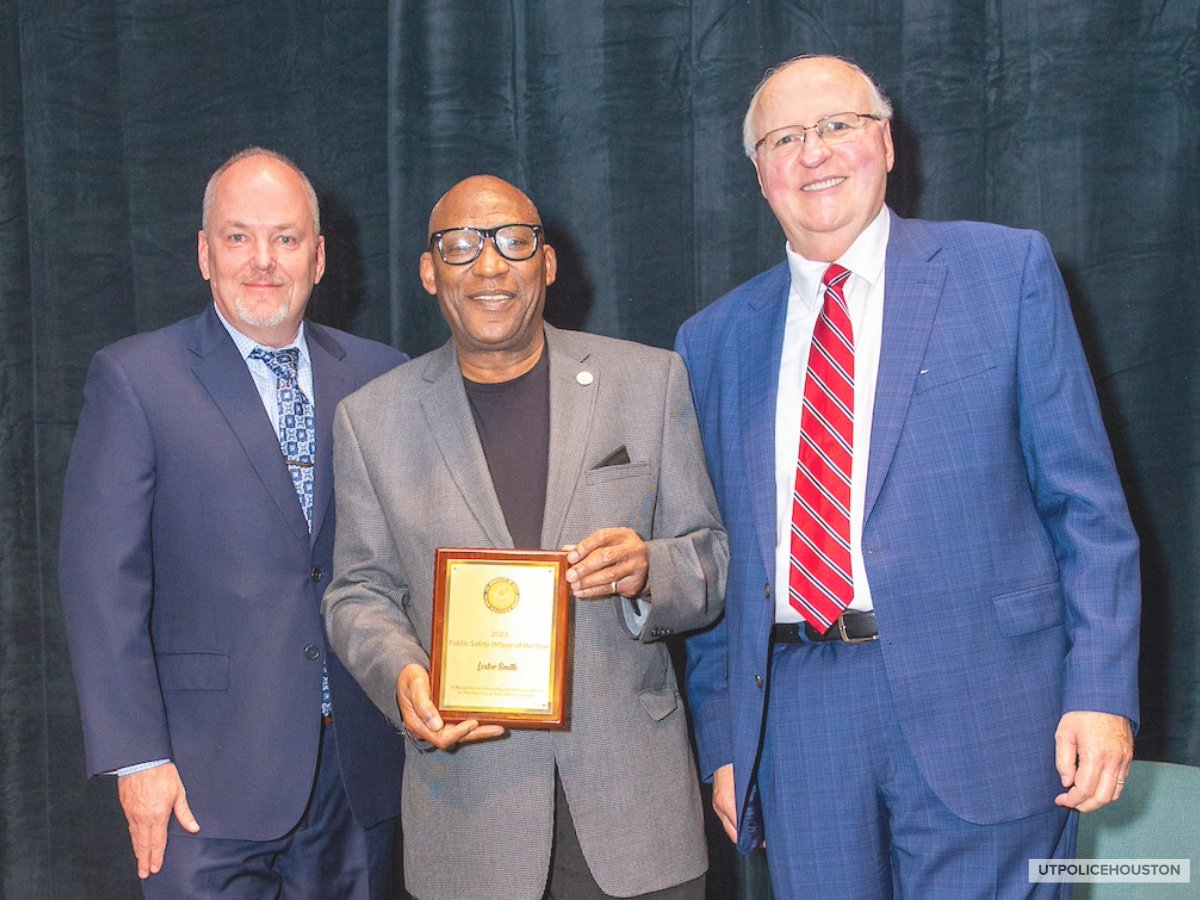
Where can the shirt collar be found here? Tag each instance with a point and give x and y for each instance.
(865, 259)
(246, 344)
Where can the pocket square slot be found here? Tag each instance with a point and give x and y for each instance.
(618, 457)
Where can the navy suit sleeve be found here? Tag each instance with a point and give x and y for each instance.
(1078, 496)
(706, 677)
(106, 573)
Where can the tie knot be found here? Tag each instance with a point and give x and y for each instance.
(284, 363)
(835, 276)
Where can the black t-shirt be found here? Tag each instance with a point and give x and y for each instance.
(513, 422)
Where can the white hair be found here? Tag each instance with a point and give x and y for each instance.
(880, 105)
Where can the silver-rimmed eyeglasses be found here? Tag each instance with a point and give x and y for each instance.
(458, 246)
(837, 128)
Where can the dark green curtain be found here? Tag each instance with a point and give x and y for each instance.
(621, 118)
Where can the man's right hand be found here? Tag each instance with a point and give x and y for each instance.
(148, 798)
(422, 720)
(723, 801)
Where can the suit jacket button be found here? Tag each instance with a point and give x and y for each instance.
(312, 651)
(316, 573)
(767, 590)
(758, 681)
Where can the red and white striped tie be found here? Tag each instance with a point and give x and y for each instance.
(821, 586)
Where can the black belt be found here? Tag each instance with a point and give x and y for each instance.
(850, 627)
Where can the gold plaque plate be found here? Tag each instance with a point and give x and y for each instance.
(501, 637)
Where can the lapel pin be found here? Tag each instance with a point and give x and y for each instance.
(584, 378)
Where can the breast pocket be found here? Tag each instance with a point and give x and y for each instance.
(621, 495)
(616, 473)
(953, 370)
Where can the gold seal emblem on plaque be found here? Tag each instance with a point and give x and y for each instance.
(501, 595)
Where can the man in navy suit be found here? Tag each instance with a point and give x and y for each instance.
(927, 662)
(196, 546)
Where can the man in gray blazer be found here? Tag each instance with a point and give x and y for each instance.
(516, 434)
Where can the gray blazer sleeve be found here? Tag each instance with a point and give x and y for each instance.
(689, 550)
(364, 607)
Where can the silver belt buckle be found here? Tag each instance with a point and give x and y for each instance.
(846, 639)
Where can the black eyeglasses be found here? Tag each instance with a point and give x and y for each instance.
(459, 246)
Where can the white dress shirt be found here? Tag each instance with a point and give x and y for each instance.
(863, 291)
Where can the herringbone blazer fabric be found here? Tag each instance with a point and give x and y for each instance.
(412, 477)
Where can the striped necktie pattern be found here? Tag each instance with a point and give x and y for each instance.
(820, 583)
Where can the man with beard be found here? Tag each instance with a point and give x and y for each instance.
(197, 537)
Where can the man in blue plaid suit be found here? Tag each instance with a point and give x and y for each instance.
(980, 687)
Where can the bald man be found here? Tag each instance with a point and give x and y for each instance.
(517, 435)
(197, 540)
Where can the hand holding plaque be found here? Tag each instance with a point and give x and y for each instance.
(501, 635)
(423, 721)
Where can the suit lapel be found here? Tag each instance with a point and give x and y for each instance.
(912, 291)
(331, 382)
(223, 372)
(449, 420)
(571, 405)
(760, 343)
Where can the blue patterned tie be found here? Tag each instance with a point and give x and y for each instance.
(298, 441)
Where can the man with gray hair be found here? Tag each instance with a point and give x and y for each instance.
(197, 541)
(928, 659)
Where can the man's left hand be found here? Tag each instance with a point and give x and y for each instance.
(1092, 751)
(608, 561)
